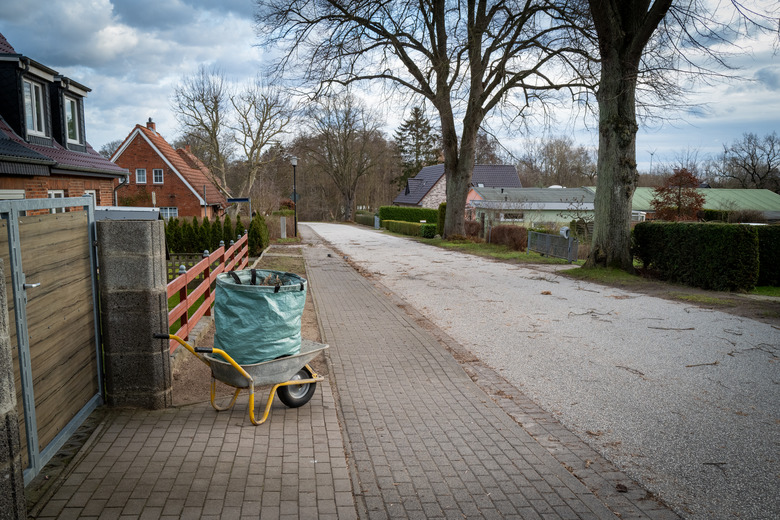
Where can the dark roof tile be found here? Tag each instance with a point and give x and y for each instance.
(488, 175)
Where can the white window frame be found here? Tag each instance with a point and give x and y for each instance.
(169, 212)
(93, 194)
(56, 194)
(72, 105)
(154, 176)
(11, 194)
(35, 110)
(138, 173)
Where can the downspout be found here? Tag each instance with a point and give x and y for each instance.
(125, 182)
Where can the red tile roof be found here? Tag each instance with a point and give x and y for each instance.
(197, 164)
(194, 177)
(5, 47)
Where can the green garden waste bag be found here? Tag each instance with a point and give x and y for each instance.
(257, 314)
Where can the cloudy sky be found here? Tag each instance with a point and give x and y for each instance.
(132, 54)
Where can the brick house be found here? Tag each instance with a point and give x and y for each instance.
(173, 180)
(43, 147)
(428, 188)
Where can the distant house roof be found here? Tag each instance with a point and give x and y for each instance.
(718, 199)
(193, 176)
(5, 47)
(486, 175)
(195, 163)
(47, 158)
(533, 198)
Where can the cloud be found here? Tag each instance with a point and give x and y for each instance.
(769, 77)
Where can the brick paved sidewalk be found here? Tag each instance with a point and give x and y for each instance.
(192, 462)
(424, 441)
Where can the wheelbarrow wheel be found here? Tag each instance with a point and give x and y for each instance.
(294, 396)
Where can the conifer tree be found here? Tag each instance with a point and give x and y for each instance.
(418, 145)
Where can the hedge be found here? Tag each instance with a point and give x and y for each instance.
(514, 237)
(414, 229)
(408, 214)
(768, 255)
(721, 257)
(366, 220)
(192, 236)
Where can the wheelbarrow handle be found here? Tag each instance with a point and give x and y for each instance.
(204, 350)
(158, 335)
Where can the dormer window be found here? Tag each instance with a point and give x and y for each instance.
(34, 103)
(72, 120)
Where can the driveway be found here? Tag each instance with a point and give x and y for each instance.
(685, 400)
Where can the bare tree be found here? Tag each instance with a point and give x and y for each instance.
(342, 132)
(634, 52)
(466, 58)
(752, 162)
(108, 149)
(200, 104)
(261, 115)
(557, 160)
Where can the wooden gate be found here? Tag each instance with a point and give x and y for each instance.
(51, 291)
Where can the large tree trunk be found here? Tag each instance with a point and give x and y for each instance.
(616, 167)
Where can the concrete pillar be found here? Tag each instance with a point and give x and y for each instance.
(12, 504)
(133, 306)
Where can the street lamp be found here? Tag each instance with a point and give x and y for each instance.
(294, 162)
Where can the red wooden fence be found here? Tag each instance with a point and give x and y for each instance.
(235, 257)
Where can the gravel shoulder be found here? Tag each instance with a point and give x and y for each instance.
(681, 396)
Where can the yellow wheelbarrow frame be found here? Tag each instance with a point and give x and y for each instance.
(276, 372)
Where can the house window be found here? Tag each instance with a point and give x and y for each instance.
(512, 216)
(57, 194)
(167, 213)
(140, 176)
(157, 176)
(93, 194)
(72, 119)
(33, 108)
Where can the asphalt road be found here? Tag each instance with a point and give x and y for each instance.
(684, 400)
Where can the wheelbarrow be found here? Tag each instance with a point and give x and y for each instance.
(293, 380)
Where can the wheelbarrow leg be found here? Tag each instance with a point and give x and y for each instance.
(214, 393)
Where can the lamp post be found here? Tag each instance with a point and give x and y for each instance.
(294, 162)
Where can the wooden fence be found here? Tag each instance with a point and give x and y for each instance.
(221, 260)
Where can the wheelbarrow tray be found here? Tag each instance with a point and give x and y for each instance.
(265, 373)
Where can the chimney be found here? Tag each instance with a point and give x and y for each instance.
(151, 126)
(187, 148)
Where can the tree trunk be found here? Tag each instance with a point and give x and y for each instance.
(616, 167)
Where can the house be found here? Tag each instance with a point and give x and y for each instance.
(43, 147)
(428, 188)
(530, 207)
(721, 199)
(173, 180)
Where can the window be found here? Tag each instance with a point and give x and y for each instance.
(72, 119)
(56, 194)
(157, 176)
(167, 213)
(34, 116)
(140, 176)
(93, 194)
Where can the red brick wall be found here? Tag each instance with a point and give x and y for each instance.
(172, 193)
(38, 187)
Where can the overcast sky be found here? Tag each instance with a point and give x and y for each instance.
(132, 53)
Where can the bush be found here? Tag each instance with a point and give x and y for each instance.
(473, 228)
(365, 219)
(441, 217)
(768, 255)
(721, 257)
(258, 235)
(514, 237)
(284, 212)
(414, 229)
(408, 214)
(173, 235)
(227, 231)
(216, 234)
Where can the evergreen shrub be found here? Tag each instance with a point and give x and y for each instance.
(440, 221)
(721, 257)
(408, 214)
(768, 255)
(365, 219)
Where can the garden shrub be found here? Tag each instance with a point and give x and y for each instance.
(721, 257)
(414, 229)
(440, 221)
(768, 255)
(428, 230)
(514, 237)
(365, 219)
(473, 228)
(408, 214)
(258, 235)
(227, 230)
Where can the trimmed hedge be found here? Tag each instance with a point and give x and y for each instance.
(721, 257)
(366, 220)
(414, 229)
(768, 255)
(514, 237)
(408, 214)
